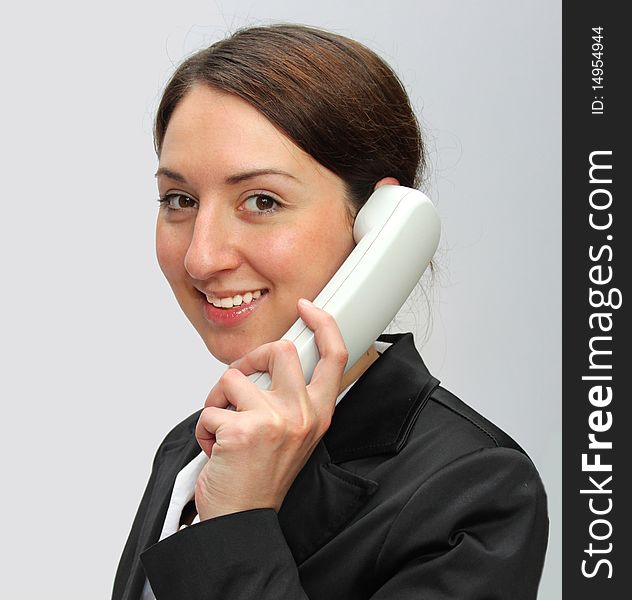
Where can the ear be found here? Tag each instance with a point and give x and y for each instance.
(386, 181)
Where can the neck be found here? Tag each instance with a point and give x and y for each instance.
(359, 367)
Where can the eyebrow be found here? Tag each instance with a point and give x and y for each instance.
(231, 179)
(171, 174)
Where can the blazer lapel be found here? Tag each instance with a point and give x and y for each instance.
(172, 459)
(375, 418)
(322, 500)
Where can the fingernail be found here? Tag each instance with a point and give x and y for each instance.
(305, 302)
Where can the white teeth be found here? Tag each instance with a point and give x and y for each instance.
(237, 300)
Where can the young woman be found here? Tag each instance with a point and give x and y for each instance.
(375, 483)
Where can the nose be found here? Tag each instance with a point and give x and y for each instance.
(213, 247)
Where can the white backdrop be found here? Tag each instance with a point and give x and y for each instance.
(99, 363)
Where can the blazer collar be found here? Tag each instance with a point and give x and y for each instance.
(375, 417)
(385, 401)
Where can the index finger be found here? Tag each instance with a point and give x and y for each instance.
(279, 359)
(331, 347)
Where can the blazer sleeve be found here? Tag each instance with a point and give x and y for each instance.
(241, 556)
(476, 530)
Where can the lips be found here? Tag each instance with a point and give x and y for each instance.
(230, 316)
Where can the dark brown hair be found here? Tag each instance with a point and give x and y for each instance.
(332, 96)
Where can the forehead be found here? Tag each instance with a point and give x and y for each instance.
(209, 126)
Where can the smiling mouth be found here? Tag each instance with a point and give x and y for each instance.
(236, 301)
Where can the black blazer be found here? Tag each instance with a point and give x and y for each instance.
(410, 494)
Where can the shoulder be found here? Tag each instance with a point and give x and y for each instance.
(440, 416)
(444, 442)
(473, 487)
(452, 437)
(460, 491)
(465, 426)
(461, 450)
(449, 446)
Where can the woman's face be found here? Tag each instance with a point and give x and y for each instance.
(249, 224)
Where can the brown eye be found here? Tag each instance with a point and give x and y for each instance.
(178, 201)
(185, 201)
(264, 203)
(261, 203)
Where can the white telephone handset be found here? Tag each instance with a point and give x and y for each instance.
(397, 232)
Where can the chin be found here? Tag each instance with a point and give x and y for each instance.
(229, 350)
(226, 353)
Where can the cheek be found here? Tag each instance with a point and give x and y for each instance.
(170, 252)
(306, 258)
(282, 257)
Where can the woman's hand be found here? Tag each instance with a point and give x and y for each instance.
(257, 450)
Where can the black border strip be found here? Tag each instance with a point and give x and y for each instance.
(596, 523)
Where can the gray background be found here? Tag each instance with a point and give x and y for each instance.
(98, 361)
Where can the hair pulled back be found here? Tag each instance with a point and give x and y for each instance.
(333, 97)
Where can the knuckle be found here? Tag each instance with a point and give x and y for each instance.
(230, 375)
(324, 423)
(341, 356)
(240, 435)
(273, 429)
(211, 398)
(331, 319)
(275, 424)
(205, 415)
(328, 319)
(267, 421)
(300, 431)
(281, 430)
(304, 427)
(285, 347)
(233, 373)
